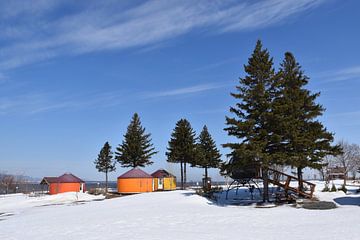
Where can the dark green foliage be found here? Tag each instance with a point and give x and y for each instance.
(304, 140)
(333, 188)
(212, 194)
(276, 119)
(326, 188)
(182, 147)
(136, 149)
(208, 156)
(252, 124)
(343, 188)
(105, 162)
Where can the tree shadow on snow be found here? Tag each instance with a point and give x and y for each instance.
(3, 216)
(188, 194)
(353, 201)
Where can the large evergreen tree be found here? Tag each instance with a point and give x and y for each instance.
(182, 147)
(136, 149)
(208, 156)
(252, 122)
(305, 141)
(105, 162)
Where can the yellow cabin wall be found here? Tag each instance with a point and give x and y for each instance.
(170, 183)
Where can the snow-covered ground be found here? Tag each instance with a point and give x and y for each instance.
(171, 215)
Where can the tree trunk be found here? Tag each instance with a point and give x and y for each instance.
(265, 177)
(206, 179)
(300, 178)
(345, 177)
(182, 175)
(322, 174)
(106, 182)
(206, 173)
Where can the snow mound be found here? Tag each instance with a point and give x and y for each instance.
(19, 202)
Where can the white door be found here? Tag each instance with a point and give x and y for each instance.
(161, 183)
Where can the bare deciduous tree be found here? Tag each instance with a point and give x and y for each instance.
(349, 159)
(328, 162)
(7, 181)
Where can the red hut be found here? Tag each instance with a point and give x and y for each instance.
(65, 183)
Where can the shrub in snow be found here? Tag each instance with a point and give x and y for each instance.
(96, 191)
(343, 188)
(210, 194)
(326, 188)
(333, 188)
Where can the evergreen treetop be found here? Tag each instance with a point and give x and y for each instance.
(136, 149)
(208, 156)
(182, 145)
(252, 122)
(305, 141)
(104, 162)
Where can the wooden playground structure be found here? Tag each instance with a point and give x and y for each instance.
(246, 177)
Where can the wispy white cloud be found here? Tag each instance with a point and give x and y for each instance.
(35, 103)
(350, 114)
(186, 90)
(40, 30)
(340, 74)
(347, 73)
(348, 118)
(264, 13)
(212, 111)
(216, 64)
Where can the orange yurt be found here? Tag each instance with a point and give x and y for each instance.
(135, 181)
(65, 183)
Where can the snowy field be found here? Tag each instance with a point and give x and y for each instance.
(171, 215)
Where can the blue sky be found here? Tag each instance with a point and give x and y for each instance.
(73, 74)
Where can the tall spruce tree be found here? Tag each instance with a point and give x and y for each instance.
(305, 141)
(182, 147)
(252, 122)
(208, 156)
(136, 149)
(105, 162)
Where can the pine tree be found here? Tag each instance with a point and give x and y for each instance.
(305, 141)
(105, 162)
(182, 147)
(208, 156)
(252, 122)
(136, 149)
